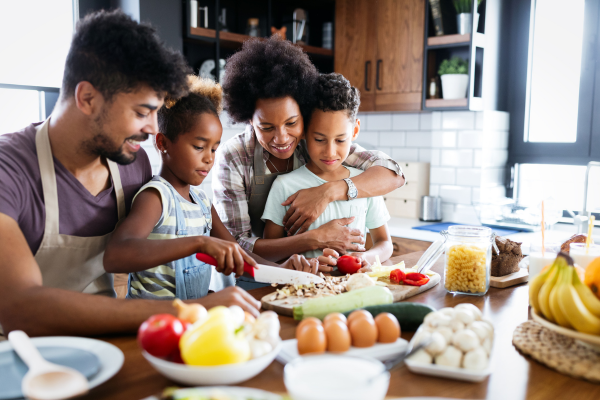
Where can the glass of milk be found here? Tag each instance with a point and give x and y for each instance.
(578, 253)
(537, 260)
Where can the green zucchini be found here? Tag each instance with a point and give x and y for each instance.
(409, 315)
(319, 308)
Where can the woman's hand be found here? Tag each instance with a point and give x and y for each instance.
(229, 255)
(337, 236)
(301, 263)
(306, 206)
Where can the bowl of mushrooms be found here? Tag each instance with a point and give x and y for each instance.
(460, 344)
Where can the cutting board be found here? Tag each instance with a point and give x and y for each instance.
(501, 282)
(400, 292)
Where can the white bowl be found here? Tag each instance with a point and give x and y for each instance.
(229, 374)
(336, 377)
(592, 341)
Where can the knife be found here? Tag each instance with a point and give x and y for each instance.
(267, 274)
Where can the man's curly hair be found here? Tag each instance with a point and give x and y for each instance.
(178, 115)
(335, 93)
(266, 69)
(116, 54)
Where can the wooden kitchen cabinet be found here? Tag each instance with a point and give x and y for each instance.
(379, 48)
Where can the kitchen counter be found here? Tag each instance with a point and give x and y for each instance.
(514, 376)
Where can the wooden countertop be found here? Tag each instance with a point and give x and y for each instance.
(515, 376)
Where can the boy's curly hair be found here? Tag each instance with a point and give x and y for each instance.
(335, 93)
(177, 116)
(116, 54)
(266, 69)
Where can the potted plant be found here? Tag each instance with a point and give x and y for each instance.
(455, 78)
(464, 18)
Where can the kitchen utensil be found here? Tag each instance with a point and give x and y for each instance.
(252, 27)
(205, 10)
(46, 380)
(410, 350)
(229, 374)
(268, 274)
(431, 209)
(299, 27)
(380, 351)
(432, 254)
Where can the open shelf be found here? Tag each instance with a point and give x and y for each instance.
(447, 41)
(237, 38)
(441, 103)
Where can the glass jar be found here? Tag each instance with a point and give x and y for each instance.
(468, 260)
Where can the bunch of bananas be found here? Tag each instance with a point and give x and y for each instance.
(559, 295)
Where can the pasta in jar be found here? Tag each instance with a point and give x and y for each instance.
(466, 269)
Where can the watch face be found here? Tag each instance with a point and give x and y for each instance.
(353, 193)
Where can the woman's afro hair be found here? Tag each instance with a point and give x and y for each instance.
(178, 115)
(265, 69)
(335, 93)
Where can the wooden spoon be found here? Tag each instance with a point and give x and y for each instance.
(45, 380)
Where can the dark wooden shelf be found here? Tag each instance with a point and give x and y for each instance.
(447, 41)
(441, 103)
(237, 38)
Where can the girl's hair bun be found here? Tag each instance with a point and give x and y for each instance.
(203, 87)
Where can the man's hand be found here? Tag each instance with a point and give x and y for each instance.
(306, 206)
(232, 296)
(229, 255)
(337, 236)
(300, 263)
(365, 265)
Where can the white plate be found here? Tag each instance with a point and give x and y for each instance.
(217, 375)
(586, 338)
(233, 392)
(449, 372)
(110, 357)
(380, 351)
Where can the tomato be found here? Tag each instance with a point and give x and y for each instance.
(416, 279)
(348, 264)
(397, 276)
(159, 335)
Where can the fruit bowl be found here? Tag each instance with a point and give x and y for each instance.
(229, 374)
(592, 341)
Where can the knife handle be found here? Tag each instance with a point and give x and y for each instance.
(205, 258)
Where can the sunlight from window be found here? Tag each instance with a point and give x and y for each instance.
(35, 36)
(555, 71)
(18, 108)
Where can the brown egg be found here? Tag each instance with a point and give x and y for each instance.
(336, 316)
(338, 336)
(308, 321)
(311, 339)
(363, 332)
(388, 328)
(359, 314)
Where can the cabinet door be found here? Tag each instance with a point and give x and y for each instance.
(355, 47)
(399, 65)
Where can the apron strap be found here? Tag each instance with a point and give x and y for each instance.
(259, 163)
(118, 187)
(48, 176)
(179, 217)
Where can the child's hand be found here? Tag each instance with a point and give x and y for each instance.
(300, 263)
(328, 260)
(365, 265)
(229, 255)
(232, 296)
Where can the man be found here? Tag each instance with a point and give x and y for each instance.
(65, 183)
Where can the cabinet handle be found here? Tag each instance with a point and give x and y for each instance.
(377, 75)
(367, 64)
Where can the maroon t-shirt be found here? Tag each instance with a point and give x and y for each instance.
(80, 213)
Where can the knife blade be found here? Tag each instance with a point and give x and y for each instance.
(267, 274)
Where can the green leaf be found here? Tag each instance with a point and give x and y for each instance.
(455, 65)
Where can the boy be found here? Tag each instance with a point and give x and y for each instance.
(332, 128)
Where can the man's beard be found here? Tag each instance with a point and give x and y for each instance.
(101, 144)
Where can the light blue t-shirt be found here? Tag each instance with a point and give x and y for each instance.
(369, 212)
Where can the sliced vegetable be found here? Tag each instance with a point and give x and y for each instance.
(319, 308)
(348, 264)
(384, 270)
(416, 279)
(409, 315)
(397, 276)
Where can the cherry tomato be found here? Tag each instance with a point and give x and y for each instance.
(348, 264)
(159, 335)
(397, 276)
(416, 279)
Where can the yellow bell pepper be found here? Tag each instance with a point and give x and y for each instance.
(214, 341)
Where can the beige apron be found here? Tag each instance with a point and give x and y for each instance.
(71, 262)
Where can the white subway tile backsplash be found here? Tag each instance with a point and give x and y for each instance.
(442, 176)
(448, 211)
(394, 139)
(466, 214)
(435, 157)
(479, 120)
(455, 194)
(458, 120)
(418, 139)
(426, 121)
(404, 154)
(470, 139)
(405, 122)
(379, 122)
(477, 158)
(368, 137)
(495, 120)
(436, 120)
(492, 193)
(434, 190)
(425, 155)
(476, 195)
(386, 150)
(468, 176)
(494, 158)
(457, 158)
(495, 139)
(443, 139)
(492, 177)
(363, 121)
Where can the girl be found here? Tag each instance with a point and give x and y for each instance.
(169, 219)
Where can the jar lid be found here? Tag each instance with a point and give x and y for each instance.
(470, 231)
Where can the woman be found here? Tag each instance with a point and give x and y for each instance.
(269, 85)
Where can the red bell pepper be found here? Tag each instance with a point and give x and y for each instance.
(416, 279)
(397, 276)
